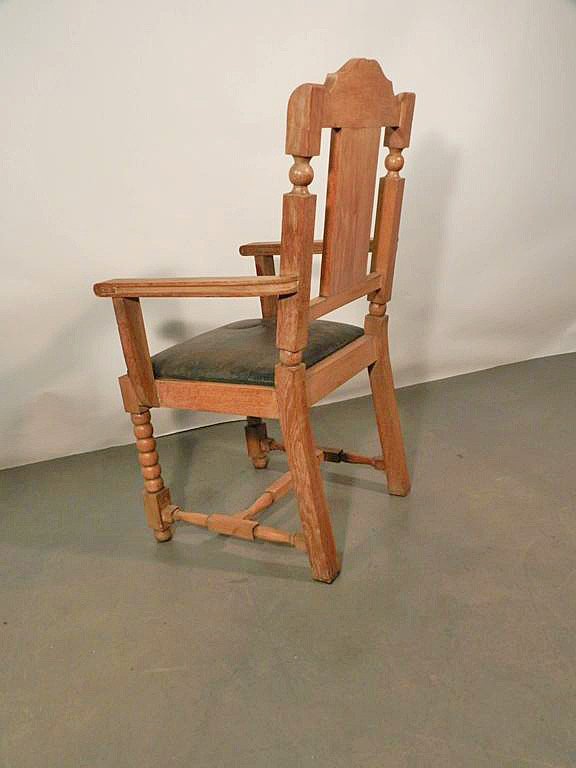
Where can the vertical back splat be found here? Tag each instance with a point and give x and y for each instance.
(349, 204)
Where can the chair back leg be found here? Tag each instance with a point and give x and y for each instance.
(304, 467)
(256, 437)
(385, 405)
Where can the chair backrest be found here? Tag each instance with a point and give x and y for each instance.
(356, 102)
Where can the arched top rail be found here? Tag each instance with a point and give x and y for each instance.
(358, 95)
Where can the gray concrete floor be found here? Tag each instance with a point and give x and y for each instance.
(448, 640)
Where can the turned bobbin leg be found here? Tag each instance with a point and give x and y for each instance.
(156, 496)
(256, 434)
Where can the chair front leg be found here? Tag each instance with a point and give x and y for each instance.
(305, 471)
(156, 496)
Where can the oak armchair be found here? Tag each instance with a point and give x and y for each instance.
(278, 366)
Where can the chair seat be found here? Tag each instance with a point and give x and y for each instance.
(245, 352)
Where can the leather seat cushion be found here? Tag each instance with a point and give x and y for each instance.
(245, 352)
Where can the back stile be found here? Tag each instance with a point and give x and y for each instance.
(298, 215)
(303, 135)
(376, 322)
(390, 194)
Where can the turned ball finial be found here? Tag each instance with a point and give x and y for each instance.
(290, 358)
(301, 174)
(377, 310)
(394, 161)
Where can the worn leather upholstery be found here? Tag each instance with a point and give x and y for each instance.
(245, 352)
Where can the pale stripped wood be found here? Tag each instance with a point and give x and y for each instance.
(399, 137)
(390, 193)
(301, 452)
(232, 526)
(386, 408)
(322, 305)
(356, 102)
(358, 95)
(135, 347)
(333, 455)
(242, 529)
(184, 287)
(277, 536)
(217, 397)
(333, 371)
(297, 237)
(265, 268)
(273, 248)
(256, 437)
(349, 202)
(129, 397)
(277, 490)
(156, 495)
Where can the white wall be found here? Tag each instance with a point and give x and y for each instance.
(146, 138)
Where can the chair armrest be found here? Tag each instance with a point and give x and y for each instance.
(273, 249)
(270, 249)
(273, 285)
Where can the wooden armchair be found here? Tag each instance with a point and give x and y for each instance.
(278, 366)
